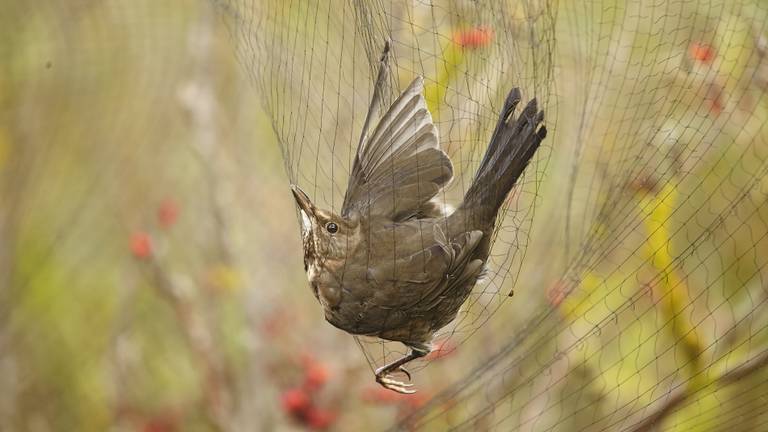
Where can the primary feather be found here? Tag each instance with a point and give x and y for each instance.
(400, 167)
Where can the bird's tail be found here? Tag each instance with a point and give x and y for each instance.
(513, 144)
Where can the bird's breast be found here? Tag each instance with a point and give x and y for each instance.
(328, 295)
(325, 287)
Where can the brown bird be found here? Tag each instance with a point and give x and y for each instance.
(396, 264)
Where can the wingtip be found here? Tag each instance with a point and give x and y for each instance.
(513, 98)
(531, 110)
(514, 95)
(386, 50)
(542, 133)
(533, 104)
(417, 83)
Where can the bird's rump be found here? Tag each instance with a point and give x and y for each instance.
(400, 167)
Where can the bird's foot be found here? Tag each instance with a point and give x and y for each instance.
(384, 378)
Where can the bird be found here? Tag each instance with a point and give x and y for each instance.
(396, 263)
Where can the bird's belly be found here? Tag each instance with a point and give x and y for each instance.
(394, 325)
(363, 316)
(359, 307)
(354, 317)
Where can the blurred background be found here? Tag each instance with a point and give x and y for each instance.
(150, 260)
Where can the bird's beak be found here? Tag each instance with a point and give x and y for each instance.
(303, 201)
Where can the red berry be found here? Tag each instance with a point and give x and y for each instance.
(295, 400)
(167, 213)
(473, 38)
(702, 52)
(316, 375)
(141, 245)
(320, 419)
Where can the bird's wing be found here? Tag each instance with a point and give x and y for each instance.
(461, 274)
(430, 275)
(400, 167)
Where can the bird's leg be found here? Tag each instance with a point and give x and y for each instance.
(383, 373)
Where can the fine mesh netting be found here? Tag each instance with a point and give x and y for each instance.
(151, 252)
(315, 63)
(651, 245)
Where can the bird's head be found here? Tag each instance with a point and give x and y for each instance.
(328, 238)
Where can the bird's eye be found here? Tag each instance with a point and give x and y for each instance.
(331, 227)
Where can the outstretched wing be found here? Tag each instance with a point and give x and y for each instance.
(400, 167)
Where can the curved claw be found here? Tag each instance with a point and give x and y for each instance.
(400, 387)
(405, 371)
(383, 374)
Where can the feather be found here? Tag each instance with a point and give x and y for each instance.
(400, 167)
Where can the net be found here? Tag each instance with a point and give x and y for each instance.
(316, 65)
(654, 313)
(150, 267)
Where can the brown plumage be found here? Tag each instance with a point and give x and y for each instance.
(394, 264)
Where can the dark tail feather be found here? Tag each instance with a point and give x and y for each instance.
(513, 144)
